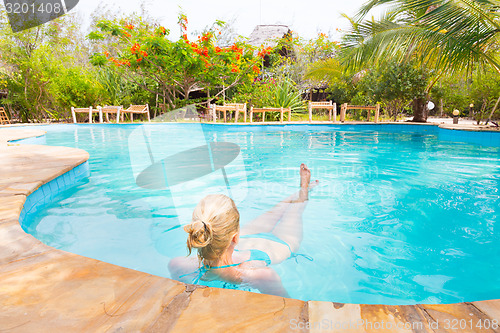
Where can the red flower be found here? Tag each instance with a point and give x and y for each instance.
(129, 26)
(135, 48)
(262, 53)
(256, 69)
(218, 49)
(106, 53)
(139, 59)
(144, 53)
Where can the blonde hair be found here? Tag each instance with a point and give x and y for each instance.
(215, 222)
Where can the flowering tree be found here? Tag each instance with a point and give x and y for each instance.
(145, 54)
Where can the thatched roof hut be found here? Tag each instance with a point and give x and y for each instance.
(270, 36)
(267, 35)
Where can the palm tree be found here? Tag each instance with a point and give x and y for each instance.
(445, 35)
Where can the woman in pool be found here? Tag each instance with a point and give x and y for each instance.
(226, 253)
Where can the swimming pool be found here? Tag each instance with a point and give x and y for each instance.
(402, 215)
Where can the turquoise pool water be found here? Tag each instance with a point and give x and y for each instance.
(400, 216)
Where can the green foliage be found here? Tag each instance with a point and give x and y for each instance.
(396, 85)
(45, 70)
(392, 84)
(480, 88)
(284, 94)
(274, 92)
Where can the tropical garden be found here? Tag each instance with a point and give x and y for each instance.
(420, 51)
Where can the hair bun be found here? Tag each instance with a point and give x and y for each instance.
(200, 234)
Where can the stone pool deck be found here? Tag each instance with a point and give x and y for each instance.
(43, 289)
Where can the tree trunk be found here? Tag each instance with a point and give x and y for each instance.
(420, 111)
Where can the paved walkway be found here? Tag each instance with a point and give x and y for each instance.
(47, 290)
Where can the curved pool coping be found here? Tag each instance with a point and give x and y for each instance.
(42, 288)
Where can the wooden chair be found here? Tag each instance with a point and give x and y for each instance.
(264, 110)
(230, 107)
(113, 110)
(345, 107)
(4, 117)
(88, 111)
(136, 109)
(326, 106)
(239, 107)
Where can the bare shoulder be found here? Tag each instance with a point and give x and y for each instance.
(182, 265)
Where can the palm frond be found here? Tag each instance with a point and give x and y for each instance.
(327, 69)
(449, 34)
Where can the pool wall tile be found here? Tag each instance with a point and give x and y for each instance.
(53, 186)
(60, 181)
(44, 194)
(485, 138)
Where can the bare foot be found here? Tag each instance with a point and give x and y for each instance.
(305, 176)
(305, 183)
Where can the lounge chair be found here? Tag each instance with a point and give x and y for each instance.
(331, 107)
(4, 117)
(88, 111)
(264, 110)
(113, 110)
(239, 107)
(376, 108)
(230, 107)
(136, 109)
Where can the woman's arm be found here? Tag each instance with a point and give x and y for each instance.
(267, 281)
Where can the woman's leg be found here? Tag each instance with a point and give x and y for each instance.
(266, 222)
(289, 229)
